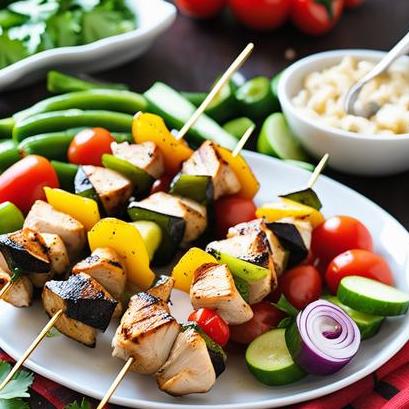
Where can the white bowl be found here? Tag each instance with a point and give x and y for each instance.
(154, 17)
(355, 153)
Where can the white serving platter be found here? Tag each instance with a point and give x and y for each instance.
(154, 17)
(91, 371)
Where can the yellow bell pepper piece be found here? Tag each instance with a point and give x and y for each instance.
(126, 240)
(80, 208)
(288, 208)
(150, 127)
(183, 271)
(249, 183)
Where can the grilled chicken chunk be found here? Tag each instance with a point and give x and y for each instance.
(20, 294)
(58, 256)
(146, 156)
(194, 214)
(104, 266)
(146, 333)
(206, 161)
(254, 248)
(189, 368)
(86, 304)
(258, 225)
(43, 218)
(213, 287)
(25, 252)
(112, 188)
(162, 289)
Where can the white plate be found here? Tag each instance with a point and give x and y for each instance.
(91, 371)
(154, 17)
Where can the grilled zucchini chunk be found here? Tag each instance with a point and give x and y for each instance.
(189, 368)
(43, 218)
(20, 294)
(279, 253)
(104, 266)
(147, 332)
(206, 161)
(87, 306)
(146, 156)
(162, 288)
(213, 287)
(111, 188)
(57, 253)
(25, 252)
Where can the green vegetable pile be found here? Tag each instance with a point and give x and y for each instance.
(30, 26)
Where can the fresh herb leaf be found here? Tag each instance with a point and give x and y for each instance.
(9, 19)
(37, 10)
(11, 51)
(28, 34)
(285, 306)
(13, 404)
(75, 405)
(63, 30)
(18, 386)
(285, 322)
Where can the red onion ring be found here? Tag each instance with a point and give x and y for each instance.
(323, 339)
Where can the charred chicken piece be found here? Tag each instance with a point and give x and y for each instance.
(43, 218)
(20, 294)
(206, 161)
(162, 288)
(213, 287)
(87, 307)
(146, 156)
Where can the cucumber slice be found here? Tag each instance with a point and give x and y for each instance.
(196, 187)
(368, 324)
(269, 360)
(176, 110)
(303, 165)
(224, 104)
(372, 297)
(151, 235)
(195, 98)
(243, 269)
(306, 197)
(255, 98)
(276, 139)
(238, 126)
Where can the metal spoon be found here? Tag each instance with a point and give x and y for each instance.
(371, 108)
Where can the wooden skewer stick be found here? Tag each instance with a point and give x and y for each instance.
(317, 171)
(237, 63)
(5, 289)
(243, 140)
(116, 383)
(31, 348)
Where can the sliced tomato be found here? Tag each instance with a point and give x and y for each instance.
(89, 145)
(212, 324)
(357, 263)
(22, 183)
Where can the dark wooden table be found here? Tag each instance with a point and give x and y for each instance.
(191, 54)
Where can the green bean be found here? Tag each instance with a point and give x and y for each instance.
(6, 127)
(66, 174)
(53, 145)
(8, 154)
(112, 100)
(72, 118)
(59, 83)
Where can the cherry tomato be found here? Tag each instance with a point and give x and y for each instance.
(162, 184)
(316, 17)
(357, 263)
(23, 183)
(301, 285)
(351, 4)
(261, 14)
(201, 8)
(231, 210)
(266, 317)
(212, 324)
(338, 234)
(89, 145)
